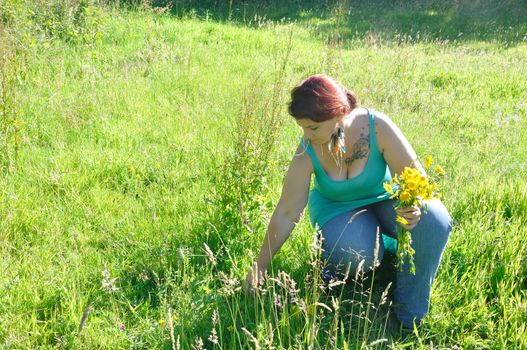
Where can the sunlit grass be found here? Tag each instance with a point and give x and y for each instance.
(127, 143)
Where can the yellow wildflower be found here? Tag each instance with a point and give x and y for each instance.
(413, 188)
(428, 195)
(411, 184)
(405, 196)
(401, 220)
(428, 161)
(410, 173)
(162, 322)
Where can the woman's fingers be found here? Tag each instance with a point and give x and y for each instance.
(411, 214)
(413, 208)
(253, 279)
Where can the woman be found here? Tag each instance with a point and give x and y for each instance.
(352, 151)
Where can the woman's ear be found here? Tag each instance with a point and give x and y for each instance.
(340, 118)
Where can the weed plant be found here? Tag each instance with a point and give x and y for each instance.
(150, 159)
(10, 120)
(70, 20)
(340, 313)
(250, 150)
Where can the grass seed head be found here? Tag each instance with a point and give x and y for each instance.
(214, 317)
(360, 269)
(198, 344)
(376, 261)
(229, 284)
(213, 337)
(278, 301)
(252, 338)
(108, 283)
(209, 253)
(335, 303)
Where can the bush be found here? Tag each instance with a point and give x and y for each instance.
(10, 122)
(69, 20)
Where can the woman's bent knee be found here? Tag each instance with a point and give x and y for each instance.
(435, 221)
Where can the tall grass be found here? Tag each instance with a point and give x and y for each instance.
(341, 313)
(151, 157)
(250, 149)
(70, 20)
(11, 63)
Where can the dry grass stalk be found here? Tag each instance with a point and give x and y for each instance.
(210, 254)
(252, 338)
(84, 317)
(171, 328)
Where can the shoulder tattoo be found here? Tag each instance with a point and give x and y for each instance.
(360, 149)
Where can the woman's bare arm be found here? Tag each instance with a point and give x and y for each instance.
(395, 148)
(287, 213)
(398, 154)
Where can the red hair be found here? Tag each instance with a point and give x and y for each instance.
(321, 98)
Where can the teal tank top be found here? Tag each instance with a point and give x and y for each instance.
(330, 198)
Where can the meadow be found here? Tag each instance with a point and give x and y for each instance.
(143, 148)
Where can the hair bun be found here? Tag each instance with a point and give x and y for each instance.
(353, 99)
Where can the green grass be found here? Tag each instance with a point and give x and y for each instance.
(130, 160)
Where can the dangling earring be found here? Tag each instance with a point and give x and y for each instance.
(337, 145)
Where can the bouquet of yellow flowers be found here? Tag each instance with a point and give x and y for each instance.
(412, 188)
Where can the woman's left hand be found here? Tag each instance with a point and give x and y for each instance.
(411, 214)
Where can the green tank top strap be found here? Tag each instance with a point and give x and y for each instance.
(311, 152)
(373, 136)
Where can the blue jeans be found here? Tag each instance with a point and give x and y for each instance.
(350, 241)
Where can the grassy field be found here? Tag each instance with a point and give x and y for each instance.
(142, 154)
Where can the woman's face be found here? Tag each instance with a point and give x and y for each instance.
(318, 133)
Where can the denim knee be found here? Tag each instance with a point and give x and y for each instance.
(435, 224)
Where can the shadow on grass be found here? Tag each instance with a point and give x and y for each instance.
(504, 22)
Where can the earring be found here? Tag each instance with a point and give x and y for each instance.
(337, 146)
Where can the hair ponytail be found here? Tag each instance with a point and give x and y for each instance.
(353, 99)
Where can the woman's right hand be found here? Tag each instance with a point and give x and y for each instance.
(252, 279)
(411, 214)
